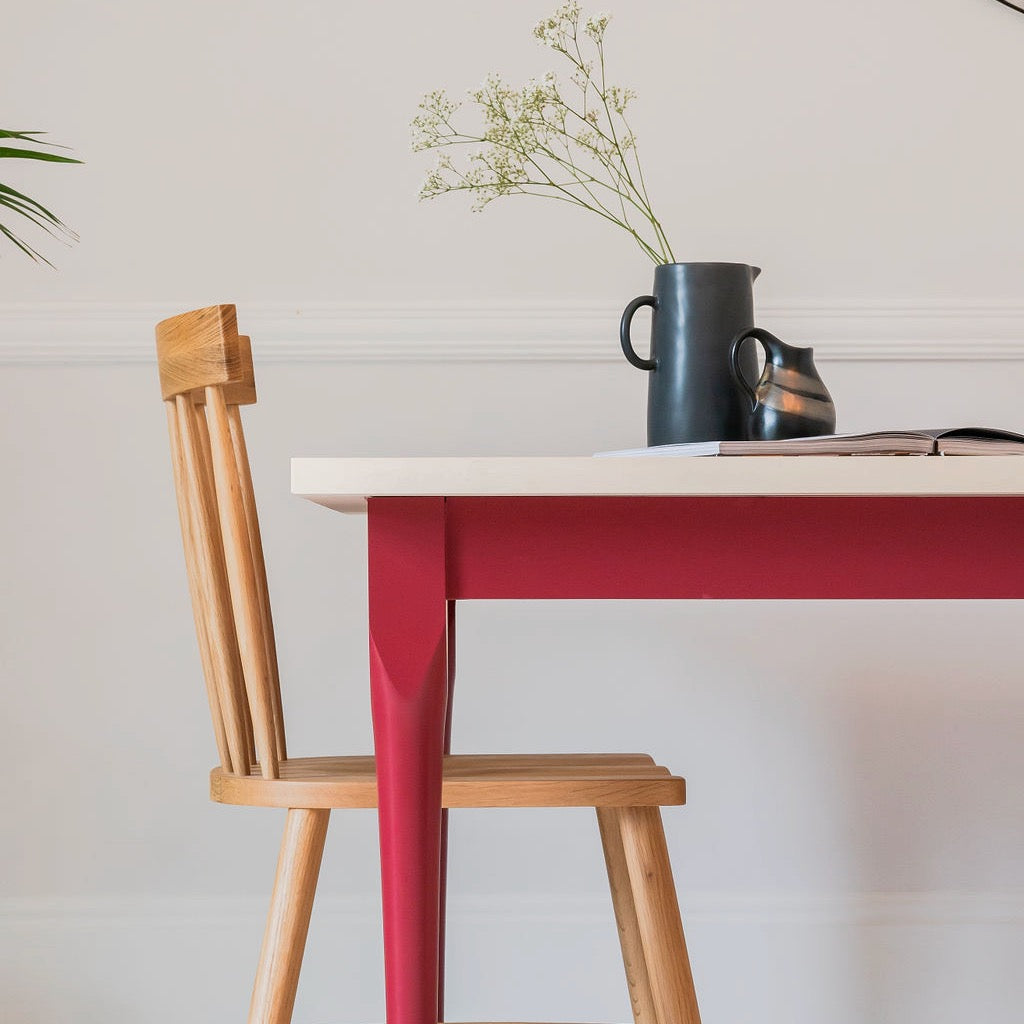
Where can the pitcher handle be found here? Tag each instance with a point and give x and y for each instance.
(624, 338)
(734, 360)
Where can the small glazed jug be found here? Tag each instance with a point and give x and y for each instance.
(790, 399)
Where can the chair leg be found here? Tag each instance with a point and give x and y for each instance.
(650, 929)
(640, 997)
(277, 977)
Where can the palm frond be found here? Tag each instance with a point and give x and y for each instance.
(24, 206)
(24, 246)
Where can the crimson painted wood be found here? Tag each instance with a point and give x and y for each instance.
(408, 615)
(735, 547)
(426, 553)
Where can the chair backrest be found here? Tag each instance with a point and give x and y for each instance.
(206, 373)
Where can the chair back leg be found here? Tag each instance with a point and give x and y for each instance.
(284, 941)
(647, 913)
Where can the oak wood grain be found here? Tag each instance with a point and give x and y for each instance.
(243, 591)
(510, 780)
(641, 999)
(198, 349)
(657, 914)
(284, 941)
(208, 567)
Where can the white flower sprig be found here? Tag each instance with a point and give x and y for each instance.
(537, 141)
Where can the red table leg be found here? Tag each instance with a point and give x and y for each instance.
(409, 687)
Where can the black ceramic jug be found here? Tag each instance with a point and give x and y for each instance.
(790, 399)
(697, 311)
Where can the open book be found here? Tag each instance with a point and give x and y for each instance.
(954, 441)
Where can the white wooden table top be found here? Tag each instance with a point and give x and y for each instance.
(344, 484)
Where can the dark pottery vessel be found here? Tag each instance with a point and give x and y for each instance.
(790, 399)
(697, 311)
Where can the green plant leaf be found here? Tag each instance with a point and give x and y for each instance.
(38, 257)
(24, 206)
(53, 228)
(7, 133)
(14, 195)
(36, 154)
(35, 212)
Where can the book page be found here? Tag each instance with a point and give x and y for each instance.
(944, 441)
(979, 446)
(892, 442)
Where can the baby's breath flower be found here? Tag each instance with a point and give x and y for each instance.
(535, 141)
(596, 24)
(619, 98)
(556, 30)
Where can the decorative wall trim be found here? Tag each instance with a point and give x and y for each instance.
(776, 959)
(107, 334)
(919, 909)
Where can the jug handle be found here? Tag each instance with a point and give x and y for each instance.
(624, 338)
(758, 334)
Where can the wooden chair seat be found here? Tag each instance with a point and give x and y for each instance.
(470, 780)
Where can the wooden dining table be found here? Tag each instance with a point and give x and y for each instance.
(443, 530)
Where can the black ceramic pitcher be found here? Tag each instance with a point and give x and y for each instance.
(697, 311)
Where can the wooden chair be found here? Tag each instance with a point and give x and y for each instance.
(206, 374)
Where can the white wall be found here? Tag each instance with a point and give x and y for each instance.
(852, 848)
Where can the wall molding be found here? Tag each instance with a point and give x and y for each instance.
(844, 959)
(916, 909)
(102, 334)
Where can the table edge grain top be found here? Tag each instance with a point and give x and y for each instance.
(344, 484)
